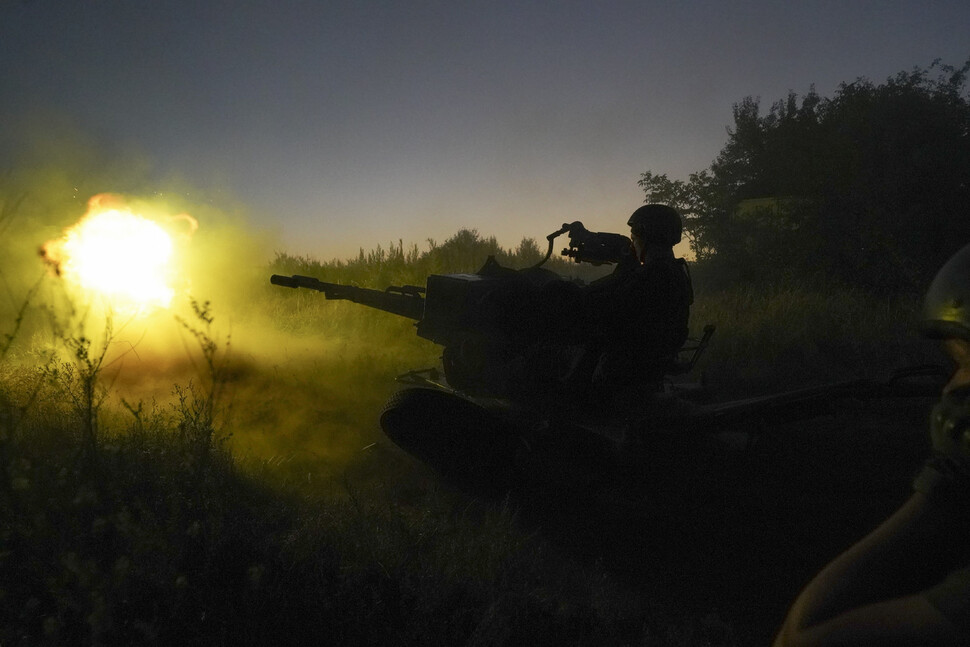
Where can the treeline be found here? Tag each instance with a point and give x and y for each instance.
(868, 187)
(466, 251)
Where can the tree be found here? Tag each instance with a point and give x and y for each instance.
(869, 187)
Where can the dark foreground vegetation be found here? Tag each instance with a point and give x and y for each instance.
(144, 522)
(248, 497)
(153, 537)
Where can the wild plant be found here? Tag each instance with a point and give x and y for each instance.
(196, 407)
(76, 372)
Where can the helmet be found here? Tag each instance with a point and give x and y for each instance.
(946, 308)
(657, 223)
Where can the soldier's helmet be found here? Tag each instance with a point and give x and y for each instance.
(657, 223)
(946, 307)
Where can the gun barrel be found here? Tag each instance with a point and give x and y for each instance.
(285, 281)
(404, 303)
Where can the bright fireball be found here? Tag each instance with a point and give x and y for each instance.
(118, 254)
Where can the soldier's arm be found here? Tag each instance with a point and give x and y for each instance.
(906, 621)
(866, 595)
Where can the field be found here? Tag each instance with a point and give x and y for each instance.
(191, 481)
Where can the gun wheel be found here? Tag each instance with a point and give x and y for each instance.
(461, 441)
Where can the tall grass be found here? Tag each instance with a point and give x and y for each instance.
(787, 336)
(304, 526)
(158, 539)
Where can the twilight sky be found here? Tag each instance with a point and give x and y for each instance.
(343, 124)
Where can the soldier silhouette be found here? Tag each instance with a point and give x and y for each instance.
(620, 332)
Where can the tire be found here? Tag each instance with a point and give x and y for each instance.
(461, 441)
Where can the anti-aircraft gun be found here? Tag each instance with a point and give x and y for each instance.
(468, 422)
(483, 318)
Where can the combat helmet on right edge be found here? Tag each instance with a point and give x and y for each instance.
(946, 307)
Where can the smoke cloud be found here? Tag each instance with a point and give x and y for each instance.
(297, 383)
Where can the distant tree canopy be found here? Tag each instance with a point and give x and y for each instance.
(465, 251)
(870, 187)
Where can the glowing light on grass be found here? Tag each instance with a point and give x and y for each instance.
(117, 254)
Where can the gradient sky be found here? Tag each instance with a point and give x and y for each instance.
(343, 124)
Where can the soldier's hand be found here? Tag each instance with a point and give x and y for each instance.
(950, 425)
(946, 474)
